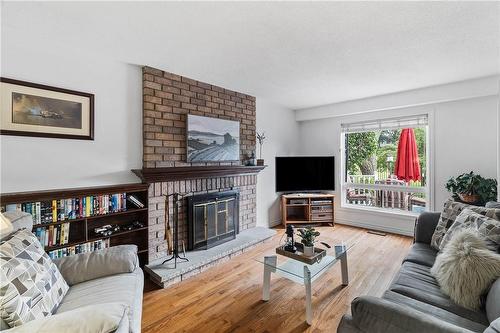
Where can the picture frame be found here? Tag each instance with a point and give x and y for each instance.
(31, 109)
(211, 139)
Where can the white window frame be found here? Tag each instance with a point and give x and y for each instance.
(428, 189)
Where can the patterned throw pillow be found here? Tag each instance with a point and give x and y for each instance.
(486, 227)
(450, 212)
(31, 286)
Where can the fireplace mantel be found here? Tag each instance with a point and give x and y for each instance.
(154, 175)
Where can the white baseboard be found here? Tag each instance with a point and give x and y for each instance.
(399, 231)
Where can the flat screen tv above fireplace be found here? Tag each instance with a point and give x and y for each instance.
(305, 173)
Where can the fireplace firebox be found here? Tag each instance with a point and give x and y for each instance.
(213, 219)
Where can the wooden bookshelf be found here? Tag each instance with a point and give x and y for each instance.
(307, 208)
(81, 229)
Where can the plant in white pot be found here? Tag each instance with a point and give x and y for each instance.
(308, 236)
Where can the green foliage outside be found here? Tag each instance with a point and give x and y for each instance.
(361, 149)
(369, 152)
(383, 153)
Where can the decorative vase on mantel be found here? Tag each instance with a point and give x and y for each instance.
(252, 159)
(261, 137)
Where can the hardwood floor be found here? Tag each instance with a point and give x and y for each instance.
(227, 298)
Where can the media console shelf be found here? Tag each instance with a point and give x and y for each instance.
(303, 208)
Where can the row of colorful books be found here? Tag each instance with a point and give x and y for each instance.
(70, 209)
(80, 248)
(53, 235)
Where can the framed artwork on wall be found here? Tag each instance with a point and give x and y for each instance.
(212, 139)
(30, 109)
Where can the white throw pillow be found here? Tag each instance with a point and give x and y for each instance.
(466, 268)
(97, 318)
(31, 286)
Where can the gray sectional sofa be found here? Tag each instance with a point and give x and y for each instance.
(414, 301)
(100, 279)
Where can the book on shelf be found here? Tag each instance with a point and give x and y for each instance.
(73, 208)
(54, 235)
(79, 248)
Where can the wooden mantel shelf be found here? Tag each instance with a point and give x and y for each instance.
(153, 175)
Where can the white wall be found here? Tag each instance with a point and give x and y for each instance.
(498, 140)
(281, 140)
(29, 163)
(463, 138)
(465, 133)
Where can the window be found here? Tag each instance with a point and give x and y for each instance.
(385, 164)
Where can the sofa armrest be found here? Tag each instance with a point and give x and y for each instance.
(377, 315)
(92, 265)
(425, 225)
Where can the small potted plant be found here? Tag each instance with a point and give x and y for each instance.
(472, 189)
(308, 236)
(260, 137)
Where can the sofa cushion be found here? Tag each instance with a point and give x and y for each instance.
(121, 288)
(416, 281)
(488, 228)
(15, 220)
(422, 254)
(437, 312)
(493, 301)
(450, 212)
(493, 204)
(92, 265)
(31, 286)
(100, 318)
(494, 327)
(425, 224)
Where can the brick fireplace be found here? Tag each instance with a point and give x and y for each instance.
(167, 100)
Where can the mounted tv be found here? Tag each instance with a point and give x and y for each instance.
(308, 173)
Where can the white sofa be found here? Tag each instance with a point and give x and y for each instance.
(106, 276)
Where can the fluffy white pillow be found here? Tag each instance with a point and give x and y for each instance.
(466, 268)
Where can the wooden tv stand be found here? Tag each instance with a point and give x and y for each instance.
(303, 208)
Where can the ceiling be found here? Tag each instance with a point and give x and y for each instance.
(295, 54)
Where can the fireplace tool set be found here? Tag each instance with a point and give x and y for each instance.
(172, 238)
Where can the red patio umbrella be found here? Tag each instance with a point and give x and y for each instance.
(407, 165)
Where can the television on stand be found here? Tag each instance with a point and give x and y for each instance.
(305, 173)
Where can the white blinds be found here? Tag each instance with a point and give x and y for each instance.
(386, 124)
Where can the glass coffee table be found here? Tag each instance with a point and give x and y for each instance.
(303, 273)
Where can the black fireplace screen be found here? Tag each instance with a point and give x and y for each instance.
(212, 219)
